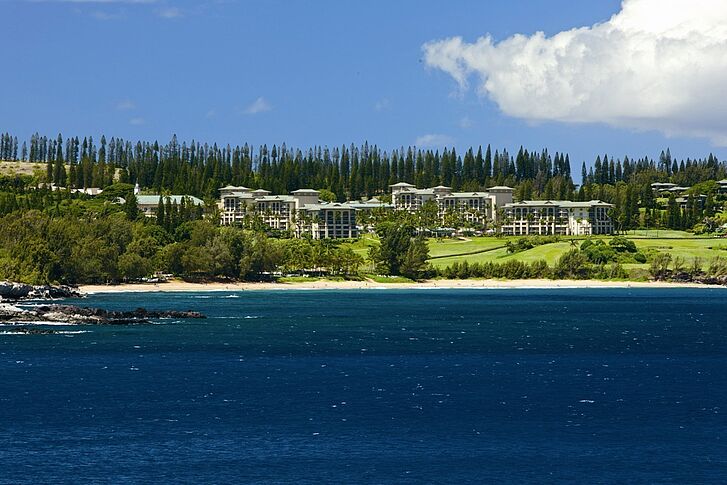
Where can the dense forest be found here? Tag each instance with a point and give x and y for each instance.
(62, 235)
(350, 172)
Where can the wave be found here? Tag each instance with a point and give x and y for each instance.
(38, 322)
(58, 332)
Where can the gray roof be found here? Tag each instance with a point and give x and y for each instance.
(332, 205)
(154, 199)
(467, 194)
(369, 205)
(401, 184)
(590, 203)
(274, 198)
(241, 195)
(305, 191)
(500, 187)
(232, 187)
(558, 203)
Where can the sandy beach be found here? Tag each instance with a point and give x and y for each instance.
(178, 285)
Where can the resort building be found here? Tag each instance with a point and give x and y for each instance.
(475, 206)
(699, 201)
(662, 186)
(92, 191)
(666, 188)
(327, 221)
(406, 196)
(148, 204)
(301, 212)
(557, 217)
(368, 205)
(722, 187)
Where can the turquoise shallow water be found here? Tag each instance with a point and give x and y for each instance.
(390, 386)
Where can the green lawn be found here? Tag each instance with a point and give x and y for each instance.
(707, 249)
(445, 247)
(661, 233)
(704, 248)
(387, 279)
(361, 245)
(549, 252)
(447, 251)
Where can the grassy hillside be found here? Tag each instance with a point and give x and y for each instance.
(21, 168)
(677, 243)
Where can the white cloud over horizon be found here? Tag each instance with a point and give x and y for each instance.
(655, 65)
(382, 104)
(170, 13)
(433, 140)
(260, 105)
(125, 105)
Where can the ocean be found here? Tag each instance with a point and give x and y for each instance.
(376, 386)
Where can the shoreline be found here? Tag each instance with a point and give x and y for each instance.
(183, 286)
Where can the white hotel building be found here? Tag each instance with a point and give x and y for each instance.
(476, 206)
(557, 217)
(301, 212)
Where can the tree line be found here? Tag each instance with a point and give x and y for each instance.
(38, 248)
(349, 171)
(352, 172)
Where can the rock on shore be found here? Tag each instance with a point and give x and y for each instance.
(20, 291)
(86, 316)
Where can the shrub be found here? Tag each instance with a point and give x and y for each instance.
(622, 245)
(717, 267)
(572, 264)
(598, 252)
(586, 244)
(660, 265)
(525, 243)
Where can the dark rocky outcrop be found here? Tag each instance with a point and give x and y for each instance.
(72, 314)
(20, 291)
(30, 331)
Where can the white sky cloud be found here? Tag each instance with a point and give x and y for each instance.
(260, 105)
(433, 140)
(382, 104)
(655, 65)
(137, 121)
(125, 105)
(170, 13)
(465, 122)
(103, 15)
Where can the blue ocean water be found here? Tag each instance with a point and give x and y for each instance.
(390, 386)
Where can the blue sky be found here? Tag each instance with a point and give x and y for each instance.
(304, 73)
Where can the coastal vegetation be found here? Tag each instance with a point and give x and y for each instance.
(52, 232)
